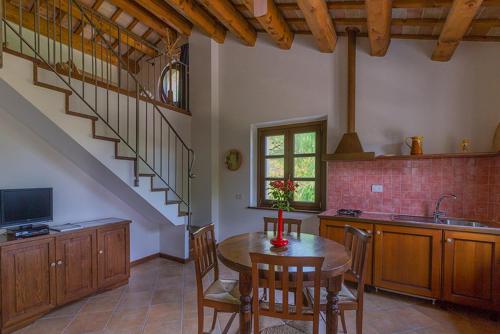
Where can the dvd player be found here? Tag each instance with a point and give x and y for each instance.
(27, 231)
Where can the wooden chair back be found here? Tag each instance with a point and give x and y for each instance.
(285, 274)
(289, 223)
(204, 254)
(356, 242)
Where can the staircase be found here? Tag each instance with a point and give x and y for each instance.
(89, 91)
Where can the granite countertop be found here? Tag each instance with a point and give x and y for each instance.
(7, 240)
(392, 219)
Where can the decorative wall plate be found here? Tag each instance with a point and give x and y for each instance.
(233, 160)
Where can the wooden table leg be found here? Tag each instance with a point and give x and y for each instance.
(246, 303)
(332, 308)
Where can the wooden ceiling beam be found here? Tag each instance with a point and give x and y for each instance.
(61, 34)
(135, 10)
(97, 4)
(232, 19)
(378, 21)
(320, 23)
(457, 23)
(199, 17)
(126, 36)
(168, 15)
(274, 24)
(332, 5)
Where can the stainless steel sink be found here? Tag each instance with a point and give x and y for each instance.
(461, 222)
(446, 221)
(417, 219)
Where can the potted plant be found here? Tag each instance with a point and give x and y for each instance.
(282, 194)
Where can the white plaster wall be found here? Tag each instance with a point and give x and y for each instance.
(401, 94)
(27, 161)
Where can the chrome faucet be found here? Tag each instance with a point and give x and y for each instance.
(438, 214)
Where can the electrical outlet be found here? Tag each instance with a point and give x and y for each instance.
(377, 188)
(238, 196)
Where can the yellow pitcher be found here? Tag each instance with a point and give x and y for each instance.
(416, 145)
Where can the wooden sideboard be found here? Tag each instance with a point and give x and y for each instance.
(41, 273)
(461, 267)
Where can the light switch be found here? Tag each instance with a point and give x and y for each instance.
(377, 188)
(237, 196)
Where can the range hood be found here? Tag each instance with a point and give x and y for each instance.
(350, 147)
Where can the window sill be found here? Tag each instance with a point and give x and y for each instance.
(273, 209)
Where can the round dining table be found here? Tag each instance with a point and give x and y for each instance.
(234, 253)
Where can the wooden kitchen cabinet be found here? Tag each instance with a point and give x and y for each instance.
(334, 230)
(76, 265)
(472, 269)
(28, 281)
(113, 260)
(48, 271)
(408, 260)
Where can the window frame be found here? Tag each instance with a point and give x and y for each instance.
(289, 132)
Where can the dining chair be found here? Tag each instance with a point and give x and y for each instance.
(356, 242)
(288, 222)
(222, 294)
(291, 273)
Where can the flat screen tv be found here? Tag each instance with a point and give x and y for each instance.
(24, 206)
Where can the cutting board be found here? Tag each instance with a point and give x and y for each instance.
(496, 139)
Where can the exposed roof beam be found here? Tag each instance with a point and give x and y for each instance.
(379, 15)
(427, 22)
(199, 17)
(168, 15)
(232, 19)
(457, 23)
(125, 35)
(145, 17)
(115, 15)
(320, 23)
(95, 7)
(274, 23)
(61, 34)
(332, 5)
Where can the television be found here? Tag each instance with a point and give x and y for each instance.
(25, 206)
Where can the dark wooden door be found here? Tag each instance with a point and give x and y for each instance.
(76, 263)
(334, 230)
(472, 269)
(113, 260)
(28, 280)
(408, 260)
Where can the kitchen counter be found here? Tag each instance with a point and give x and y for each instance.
(7, 240)
(391, 219)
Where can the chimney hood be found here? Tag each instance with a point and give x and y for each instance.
(350, 147)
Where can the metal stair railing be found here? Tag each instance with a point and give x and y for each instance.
(48, 32)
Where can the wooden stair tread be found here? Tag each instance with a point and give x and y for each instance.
(116, 140)
(173, 202)
(146, 174)
(121, 157)
(159, 189)
(78, 114)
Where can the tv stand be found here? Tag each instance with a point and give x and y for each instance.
(44, 272)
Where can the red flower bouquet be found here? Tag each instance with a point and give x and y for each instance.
(282, 193)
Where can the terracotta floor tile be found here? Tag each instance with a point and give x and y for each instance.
(164, 327)
(49, 325)
(131, 320)
(100, 305)
(132, 300)
(165, 312)
(167, 296)
(68, 310)
(88, 323)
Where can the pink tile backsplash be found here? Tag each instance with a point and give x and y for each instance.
(413, 186)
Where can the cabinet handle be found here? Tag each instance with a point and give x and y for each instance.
(379, 233)
(53, 264)
(369, 231)
(449, 240)
(59, 262)
(101, 252)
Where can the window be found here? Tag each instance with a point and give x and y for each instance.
(293, 152)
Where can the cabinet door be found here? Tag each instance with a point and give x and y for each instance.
(408, 260)
(472, 269)
(334, 230)
(113, 260)
(76, 265)
(28, 280)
